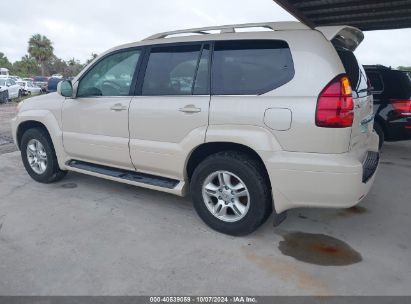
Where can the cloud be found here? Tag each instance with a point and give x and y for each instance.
(79, 27)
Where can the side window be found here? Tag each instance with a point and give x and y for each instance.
(112, 76)
(250, 67)
(376, 81)
(9, 82)
(171, 70)
(201, 86)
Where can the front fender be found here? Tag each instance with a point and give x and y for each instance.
(50, 122)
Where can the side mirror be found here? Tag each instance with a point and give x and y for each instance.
(65, 88)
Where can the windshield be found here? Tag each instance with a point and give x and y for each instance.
(2, 82)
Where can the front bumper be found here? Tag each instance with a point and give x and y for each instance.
(322, 180)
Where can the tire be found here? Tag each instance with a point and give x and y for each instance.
(379, 130)
(52, 172)
(4, 96)
(243, 169)
(19, 95)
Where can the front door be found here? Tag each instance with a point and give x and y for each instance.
(95, 123)
(169, 117)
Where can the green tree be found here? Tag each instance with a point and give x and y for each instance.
(26, 67)
(4, 62)
(41, 49)
(93, 56)
(73, 67)
(55, 65)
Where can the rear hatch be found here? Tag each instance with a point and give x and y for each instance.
(345, 40)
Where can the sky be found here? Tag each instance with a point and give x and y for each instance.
(78, 28)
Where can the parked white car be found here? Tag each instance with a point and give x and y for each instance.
(9, 89)
(28, 88)
(251, 123)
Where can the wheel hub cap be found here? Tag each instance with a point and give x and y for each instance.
(36, 156)
(226, 196)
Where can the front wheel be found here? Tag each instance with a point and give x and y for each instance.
(39, 158)
(231, 193)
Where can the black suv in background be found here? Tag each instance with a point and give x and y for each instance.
(392, 102)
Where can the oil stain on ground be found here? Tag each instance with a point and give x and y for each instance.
(318, 249)
(69, 185)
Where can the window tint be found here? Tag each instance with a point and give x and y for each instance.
(376, 81)
(355, 72)
(171, 70)
(201, 86)
(112, 76)
(397, 84)
(250, 67)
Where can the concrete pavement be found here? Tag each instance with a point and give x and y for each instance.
(89, 236)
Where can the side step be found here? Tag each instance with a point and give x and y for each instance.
(144, 178)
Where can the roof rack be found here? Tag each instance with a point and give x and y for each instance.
(275, 26)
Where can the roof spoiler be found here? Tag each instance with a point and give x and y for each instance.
(345, 37)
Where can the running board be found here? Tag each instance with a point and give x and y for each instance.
(133, 176)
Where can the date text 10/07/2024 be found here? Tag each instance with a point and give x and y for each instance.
(203, 299)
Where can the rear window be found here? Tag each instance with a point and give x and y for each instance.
(250, 67)
(355, 72)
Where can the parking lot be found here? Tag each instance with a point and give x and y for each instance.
(91, 236)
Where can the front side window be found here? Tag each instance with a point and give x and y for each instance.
(171, 70)
(250, 67)
(112, 76)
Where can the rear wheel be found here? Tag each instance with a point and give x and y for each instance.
(39, 157)
(230, 193)
(380, 132)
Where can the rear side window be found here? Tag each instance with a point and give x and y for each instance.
(172, 70)
(250, 67)
(397, 84)
(355, 72)
(376, 81)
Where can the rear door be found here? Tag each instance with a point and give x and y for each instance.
(169, 114)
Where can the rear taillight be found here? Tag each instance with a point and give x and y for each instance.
(402, 107)
(335, 104)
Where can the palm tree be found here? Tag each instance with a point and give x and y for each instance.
(41, 49)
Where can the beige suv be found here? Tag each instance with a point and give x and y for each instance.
(250, 121)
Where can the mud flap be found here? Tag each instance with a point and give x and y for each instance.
(279, 218)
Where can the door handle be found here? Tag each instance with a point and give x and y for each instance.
(190, 109)
(118, 107)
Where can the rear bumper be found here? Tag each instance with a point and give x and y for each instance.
(322, 180)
